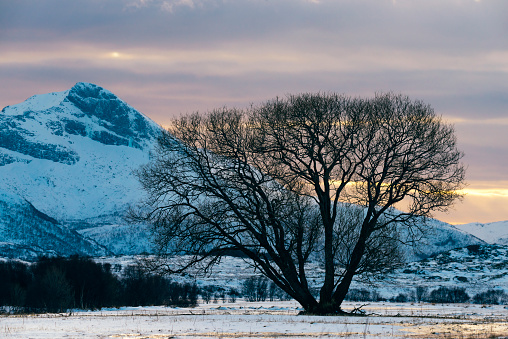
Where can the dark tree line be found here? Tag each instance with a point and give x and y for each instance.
(142, 288)
(309, 177)
(59, 284)
(440, 295)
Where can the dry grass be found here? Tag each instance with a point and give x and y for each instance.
(465, 330)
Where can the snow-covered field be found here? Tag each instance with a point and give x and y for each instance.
(265, 320)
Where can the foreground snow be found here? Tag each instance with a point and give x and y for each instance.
(264, 320)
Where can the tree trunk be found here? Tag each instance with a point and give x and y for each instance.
(340, 292)
(325, 208)
(332, 305)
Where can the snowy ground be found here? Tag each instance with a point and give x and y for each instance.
(265, 320)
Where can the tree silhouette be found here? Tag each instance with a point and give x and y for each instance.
(312, 176)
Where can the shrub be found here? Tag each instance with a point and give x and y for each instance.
(400, 298)
(474, 249)
(492, 297)
(255, 288)
(421, 293)
(15, 277)
(355, 294)
(233, 294)
(52, 293)
(141, 288)
(448, 295)
(93, 285)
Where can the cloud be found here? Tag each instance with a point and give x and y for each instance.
(164, 5)
(487, 193)
(415, 24)
(478, 206)
(479, 121)
(171, 5)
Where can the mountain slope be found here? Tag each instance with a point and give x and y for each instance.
(25, 232)
(439, 237)
(475, 267)
(492, 233)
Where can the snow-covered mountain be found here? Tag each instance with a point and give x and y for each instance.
(492, 233)
(71, 155)
(438, 237)
(26, 232)
(66, 173)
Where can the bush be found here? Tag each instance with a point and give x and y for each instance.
(355, 294)
(400, 298)
(93, 285)
(15, 277)
(255, 288)
(448, 295)
(492, 297)
(233, 294)
(183, 295)
(421, 293)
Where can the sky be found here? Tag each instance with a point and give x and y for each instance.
(172, 57)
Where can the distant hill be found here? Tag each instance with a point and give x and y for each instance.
(439, 237)
(26, 232)
(492, 233)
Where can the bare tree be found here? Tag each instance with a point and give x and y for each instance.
(274, 183)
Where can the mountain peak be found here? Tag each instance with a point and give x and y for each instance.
(87, 90)
(71, 153)
(85, 110)
(119, 123)
(82, 85)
